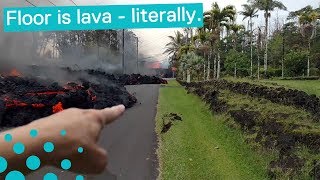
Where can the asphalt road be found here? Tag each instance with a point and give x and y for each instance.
(131, 142)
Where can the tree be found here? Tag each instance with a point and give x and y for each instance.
(173, 48)
(236, 28)
(308, 18)
(267, 6)
(191, 63)
(259, 47)
(296, 63)
(215, 19)
(203, 46)
(250, 11)
(238, 60)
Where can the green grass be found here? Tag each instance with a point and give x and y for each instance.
(308, 86)
(202, 146)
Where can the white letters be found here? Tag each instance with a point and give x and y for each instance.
(88, 18)
(181, 14)
(27, 19)
(153, 16)
(66, 18)
(9, 18)
(191, 17)
(106, 18)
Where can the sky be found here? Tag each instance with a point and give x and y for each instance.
(152, 41)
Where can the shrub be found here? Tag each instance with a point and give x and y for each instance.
(314, 72)
(301, 78)
(296, 63)
(271, 72)
(240, 59)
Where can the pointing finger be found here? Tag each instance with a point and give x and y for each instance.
(111, 114)
(107, 115)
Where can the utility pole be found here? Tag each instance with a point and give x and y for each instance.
(137, 55)
(283, 51)
(123, 65)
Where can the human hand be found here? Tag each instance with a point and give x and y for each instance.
(83, 129)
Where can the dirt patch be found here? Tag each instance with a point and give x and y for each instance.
(290, 165)
(246, 119)
(299, 99)
(168, 120)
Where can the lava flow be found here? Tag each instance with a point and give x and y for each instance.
(12, 73)
(24, 99)
(57, 108)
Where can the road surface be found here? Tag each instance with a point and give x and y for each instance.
(131, 142)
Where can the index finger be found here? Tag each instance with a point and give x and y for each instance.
(108, 115)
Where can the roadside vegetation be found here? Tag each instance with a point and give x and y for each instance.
(260, 82)
(284, 127)
(308, 86)
(202, 146)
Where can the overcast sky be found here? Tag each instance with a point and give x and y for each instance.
(152, 41)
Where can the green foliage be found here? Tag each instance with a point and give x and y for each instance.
(272, 72)
(301, 78)
(276, 50)
(236, 39)
(237, 58)
(192, 62)
(296, 63)
(314, 72)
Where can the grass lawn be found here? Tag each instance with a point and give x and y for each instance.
(308, 86)
(202, 146)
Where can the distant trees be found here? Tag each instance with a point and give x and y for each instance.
(250, 11)
(267, 6)
(215, 20)
(307, 18)
(228, 48)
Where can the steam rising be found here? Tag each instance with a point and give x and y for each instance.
(24, 50)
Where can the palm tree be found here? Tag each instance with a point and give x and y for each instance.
(203, 46)
(259, 47)
(215, 19)
(250, 12)
(236, 28)
(174, 47)
(308, 18)
(175, 44)
(189, 34)
(267, 6)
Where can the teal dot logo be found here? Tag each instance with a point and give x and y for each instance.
(50, 176)
(33, 133)
(63, 133)
(18, 148)
(79, 177)
(66, 164)
(3, 164)
(15, 175)
(80, 150)
(8, 137)
(33, 162)
(48, 147)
